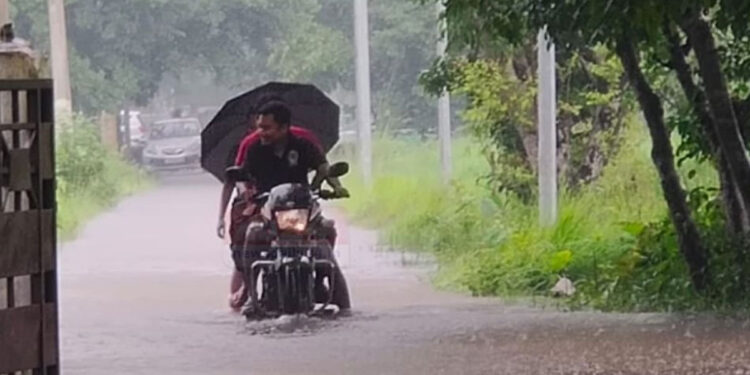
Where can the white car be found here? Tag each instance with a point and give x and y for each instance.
(173, 144)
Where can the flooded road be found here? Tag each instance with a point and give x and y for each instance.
(144, 291)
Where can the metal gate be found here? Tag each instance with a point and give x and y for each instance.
(28, 280)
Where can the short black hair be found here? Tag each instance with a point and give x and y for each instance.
(269, 97)
(265, 98)
(280, 111)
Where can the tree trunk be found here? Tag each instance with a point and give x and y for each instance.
(742, 111)
(688, 237)
(735, 211)
(719, 102)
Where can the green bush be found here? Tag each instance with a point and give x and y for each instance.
(613, 237)
(89, 177)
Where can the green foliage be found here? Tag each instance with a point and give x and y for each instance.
(645, 33)
(613, 238)
(120, 51)
(402, 40)
(89, 178)
(498, 116)
(501, 112)
(80, 159)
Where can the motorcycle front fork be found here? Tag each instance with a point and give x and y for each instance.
(255, 308)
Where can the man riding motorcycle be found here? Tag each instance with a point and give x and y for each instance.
(279, 158)
(242, 208)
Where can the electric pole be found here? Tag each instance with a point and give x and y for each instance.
(444, 103)
(59, 48)
(546, 114)
(4, 12)
(364, 114)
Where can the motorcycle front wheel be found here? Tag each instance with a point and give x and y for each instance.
(298, 297)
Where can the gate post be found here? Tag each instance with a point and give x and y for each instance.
(28, 278)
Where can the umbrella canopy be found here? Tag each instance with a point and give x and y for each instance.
(310, 107)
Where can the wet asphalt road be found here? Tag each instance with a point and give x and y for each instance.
(144, 291)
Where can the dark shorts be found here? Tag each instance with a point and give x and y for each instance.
(259, 241)
(237, 253)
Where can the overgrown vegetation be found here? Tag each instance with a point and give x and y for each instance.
(501, 112)
(634, 235)
(614, 238)
(89, 177)
(686, 65)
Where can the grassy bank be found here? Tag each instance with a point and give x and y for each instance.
(613, 237)
(90, 179)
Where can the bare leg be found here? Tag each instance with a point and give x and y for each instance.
(237, 295)
(340, 289)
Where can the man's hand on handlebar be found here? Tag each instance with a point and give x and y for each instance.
(337, 193)
(340, 192)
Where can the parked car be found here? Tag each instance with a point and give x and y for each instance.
(173, 144)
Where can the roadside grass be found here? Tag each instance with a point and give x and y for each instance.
(90, 178)
(612, 238)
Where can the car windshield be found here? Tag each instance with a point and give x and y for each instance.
(175, 129)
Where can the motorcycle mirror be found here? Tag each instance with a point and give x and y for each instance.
(338, 169)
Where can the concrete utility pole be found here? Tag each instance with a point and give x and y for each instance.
(444, 103)
(4, 12)
(546, 110)
(364, 114)
(59, 46)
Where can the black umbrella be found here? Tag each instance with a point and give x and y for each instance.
(311, 109)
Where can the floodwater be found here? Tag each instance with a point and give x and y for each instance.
(144, 291)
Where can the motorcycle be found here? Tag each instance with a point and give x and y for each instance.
(294, 265)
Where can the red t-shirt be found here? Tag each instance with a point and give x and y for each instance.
(255, 137)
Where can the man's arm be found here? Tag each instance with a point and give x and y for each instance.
(320, 175)
(236, 157)
(323, 173)
(335, 183)
(226, 195)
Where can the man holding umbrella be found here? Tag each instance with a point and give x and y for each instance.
(238, 159)
(283, 157)
(242, 210)
(317, 118)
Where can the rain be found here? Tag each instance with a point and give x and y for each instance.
(374, 187)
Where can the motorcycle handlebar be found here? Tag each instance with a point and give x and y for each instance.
(321, 194)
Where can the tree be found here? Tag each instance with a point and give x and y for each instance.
(122, 50)
(633, 30)
(501, 88)
(498, 75)
(402, 44)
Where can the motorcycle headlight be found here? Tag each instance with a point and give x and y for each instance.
(292, 220)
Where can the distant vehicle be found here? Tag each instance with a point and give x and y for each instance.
(173, 144)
